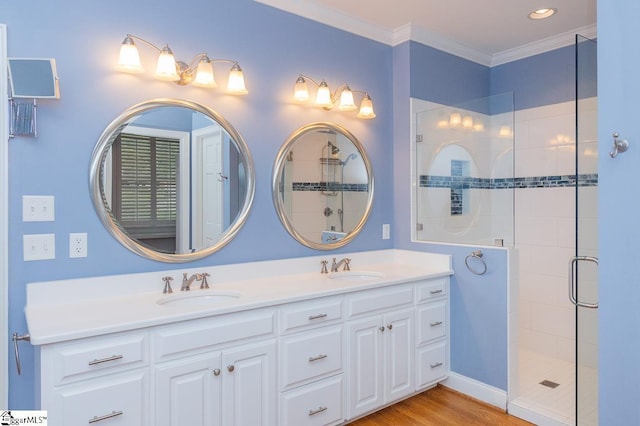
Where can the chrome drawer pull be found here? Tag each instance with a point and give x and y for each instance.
(111, 358)
(435, 324)
(436, 365)
(97, 419)
(314, 317)
(319, 410)
(436, 291)
(316, 358)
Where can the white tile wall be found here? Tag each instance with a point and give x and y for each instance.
(545, 227)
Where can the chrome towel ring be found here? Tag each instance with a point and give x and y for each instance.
(475, 257)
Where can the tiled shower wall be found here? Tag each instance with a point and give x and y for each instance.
(465, 183)
(305, 192)
(545, 149)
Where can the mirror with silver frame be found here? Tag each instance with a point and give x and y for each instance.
(172, 180)
(322, 186)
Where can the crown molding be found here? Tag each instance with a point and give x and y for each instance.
(545, 45)
(409, 32)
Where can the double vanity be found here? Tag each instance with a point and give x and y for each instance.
(283, 342)
(259, 347)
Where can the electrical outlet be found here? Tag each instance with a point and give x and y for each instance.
(38, 208)
(39, 247)
(78, 244)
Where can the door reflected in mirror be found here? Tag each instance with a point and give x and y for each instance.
(323, 186)
(172, 180)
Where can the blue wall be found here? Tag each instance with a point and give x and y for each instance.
(618, 207)
(272, 48)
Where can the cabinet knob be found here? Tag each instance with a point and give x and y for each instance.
(216, 371)
(230, 368)
(390, 326)
(382, 328)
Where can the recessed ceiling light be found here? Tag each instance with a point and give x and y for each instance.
(542, 13)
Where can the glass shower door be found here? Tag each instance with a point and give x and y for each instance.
(584, 275)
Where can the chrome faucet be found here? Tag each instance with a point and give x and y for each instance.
(186, 282)
(167, 285)
(335, 266)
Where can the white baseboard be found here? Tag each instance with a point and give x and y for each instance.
(531, 415)
(477, 390)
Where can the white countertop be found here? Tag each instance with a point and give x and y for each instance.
(71, 309)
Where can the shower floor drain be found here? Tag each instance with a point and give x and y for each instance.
(549, 384)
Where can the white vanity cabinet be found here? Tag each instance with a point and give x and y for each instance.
(311, 363)
(381, 347)
(99, 380)
(231, 379)
(432, 347)
(304, 350)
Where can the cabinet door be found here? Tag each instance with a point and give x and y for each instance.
(188, 392)
(398, 354)
(249, 385)
(365, 365)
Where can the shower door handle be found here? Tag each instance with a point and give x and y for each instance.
(572, 283)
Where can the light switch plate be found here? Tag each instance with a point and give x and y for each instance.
(38, 208)
(386, 231)
(39, 246)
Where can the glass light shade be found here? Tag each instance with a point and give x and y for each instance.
(166, 68)
(346, 100)
(366, 108)
(301, 91)
(467, 122)
(204, 74)
(235, 84)
(323, 97)
(455, 120)
(129, 57)
(478, 125)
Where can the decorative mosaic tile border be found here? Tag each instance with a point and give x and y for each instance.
(330, 186)
(466, 182)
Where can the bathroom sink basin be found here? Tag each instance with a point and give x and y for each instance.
(198, 298)
(356, 276)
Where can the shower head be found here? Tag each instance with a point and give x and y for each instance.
(334, 149)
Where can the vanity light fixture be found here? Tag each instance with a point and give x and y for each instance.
(198, 72)
(543, 13)
(327, 100)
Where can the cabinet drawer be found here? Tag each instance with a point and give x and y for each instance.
(432, 289)
(84, 358)
(310, 355)
(116, 400)
(308, 314)
(198, 335)
(376, 300)
(432, 322)
(315, 404)
(431, 364)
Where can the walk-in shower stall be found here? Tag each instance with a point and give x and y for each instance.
(526, 179)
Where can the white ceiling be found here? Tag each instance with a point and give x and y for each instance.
(485, 31)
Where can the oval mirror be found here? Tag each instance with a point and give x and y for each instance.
(322, 186)
(172, 180)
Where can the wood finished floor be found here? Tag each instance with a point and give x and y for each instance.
(439, 406)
